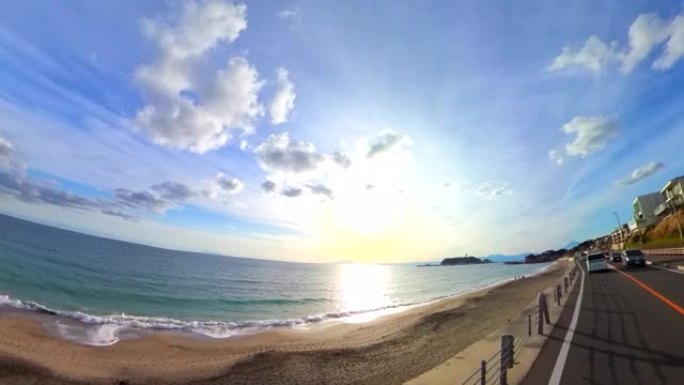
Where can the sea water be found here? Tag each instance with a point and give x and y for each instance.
(104, 289)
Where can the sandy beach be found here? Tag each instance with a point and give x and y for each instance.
(388, 350)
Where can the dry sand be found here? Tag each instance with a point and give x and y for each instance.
(389, 350)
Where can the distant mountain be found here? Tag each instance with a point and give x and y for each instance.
(507, 258)
(571, 244)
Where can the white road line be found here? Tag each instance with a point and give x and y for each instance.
(563, 354)
(666, 269)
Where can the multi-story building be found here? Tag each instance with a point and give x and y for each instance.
(673, 196)
(644, 209)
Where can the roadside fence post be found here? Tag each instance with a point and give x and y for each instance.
(541, 304)
(506, 357)
(529, 325)
(483, 372)
(546, 311)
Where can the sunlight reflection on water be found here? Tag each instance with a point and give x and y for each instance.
(363, 287)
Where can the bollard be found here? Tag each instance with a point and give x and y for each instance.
(483, 372)
(559, 294)
(565, 282)
(506, 357)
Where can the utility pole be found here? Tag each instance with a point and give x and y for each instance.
(676, 217)
(622, 237)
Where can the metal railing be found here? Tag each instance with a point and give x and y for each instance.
(672, 251)
(494, 370)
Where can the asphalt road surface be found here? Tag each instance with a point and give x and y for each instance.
(629, 329)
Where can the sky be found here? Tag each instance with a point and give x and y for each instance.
(321, 131)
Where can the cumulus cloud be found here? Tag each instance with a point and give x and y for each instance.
(143, 200)
(188, 108)
(6, 154)
(594, 56)
(641, 173)
(320, 189)
(174, 191)
(281, 154)
(284, 98)
(492, 189)
(292, 192)
(591, 134)
(230, 185)
(268, 187)
(341, 159)
(387, 140)
(674, 49)
(15, 183)
(646, 33)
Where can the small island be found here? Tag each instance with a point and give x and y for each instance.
(463, 261)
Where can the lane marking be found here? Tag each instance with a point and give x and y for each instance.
(666, 269)
(649, 289)
(563, 354)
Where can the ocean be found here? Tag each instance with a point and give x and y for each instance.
(105, 290)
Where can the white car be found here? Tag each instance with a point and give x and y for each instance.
(596, 262)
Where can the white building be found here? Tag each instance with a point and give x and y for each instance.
(644, 209)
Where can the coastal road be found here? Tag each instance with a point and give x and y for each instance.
(628, 329)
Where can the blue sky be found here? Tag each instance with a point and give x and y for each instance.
(322, 131)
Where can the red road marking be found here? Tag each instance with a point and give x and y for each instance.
(649, 289)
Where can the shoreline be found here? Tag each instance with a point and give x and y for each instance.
(78, 327)
(390, 349)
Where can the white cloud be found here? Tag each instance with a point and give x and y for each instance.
(647, 32)
(592, 134)
(174, 191)
(386, 141)
(641, 173)
(594, 56)
(492, 189)
(227, 184)
(674, 49)
(284, 98)
(191, 109)
(556, 156)
(292, 15)
(320, 189)
(6, 154)
(289, 13)
(281, 154)
(244, 145)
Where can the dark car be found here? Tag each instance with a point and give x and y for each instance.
(615, 256)
(633, 258)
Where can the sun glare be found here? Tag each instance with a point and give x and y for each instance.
(362, 287)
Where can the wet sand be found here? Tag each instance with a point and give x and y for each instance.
(388, 350)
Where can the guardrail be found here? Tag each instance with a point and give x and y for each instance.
(494, 370)
(673, 251)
